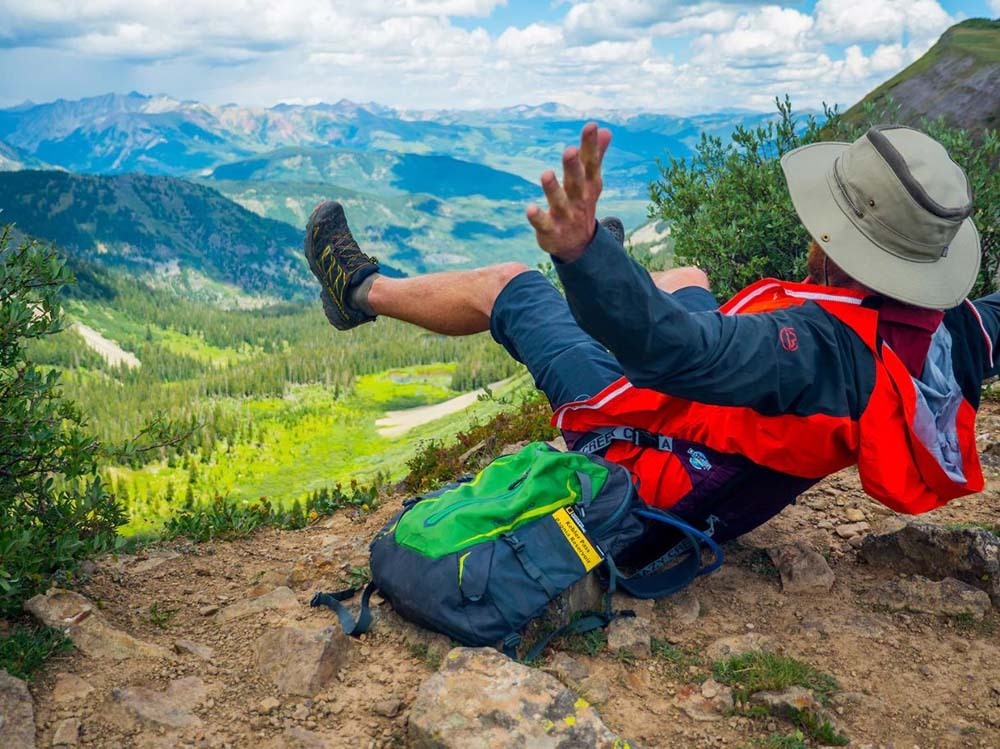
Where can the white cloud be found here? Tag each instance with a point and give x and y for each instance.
(848, 21)
(995, 7)
(412, 53)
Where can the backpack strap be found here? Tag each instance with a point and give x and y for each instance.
(334, 601)
(652, 584)
(599, 439)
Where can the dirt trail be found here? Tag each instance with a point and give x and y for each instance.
(906, 679)
(396, 423)
(113, 354)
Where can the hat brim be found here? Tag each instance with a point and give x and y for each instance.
(942, 284)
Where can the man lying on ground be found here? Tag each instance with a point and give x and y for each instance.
(876, 360)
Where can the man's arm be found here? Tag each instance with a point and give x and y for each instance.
(790, 361)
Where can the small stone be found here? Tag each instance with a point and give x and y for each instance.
(279, 598)
(388, 708)
(850, 530)
(268, 705)
(706, 702)
(728, 647)
(208, 610)
(67, 733)
(17, 713)
(567, 669)
(595, 689)
(481, 698)
(790, 702)
(802, 569)
(630, 634)
(299, 661)
(854, 515)
(300, 713)
(188, 647)
(70, 688)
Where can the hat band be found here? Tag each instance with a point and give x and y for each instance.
(899, 167)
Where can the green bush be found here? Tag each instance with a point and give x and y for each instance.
(54, 509)
(732, 216)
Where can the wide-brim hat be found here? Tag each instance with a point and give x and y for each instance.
(893, 211)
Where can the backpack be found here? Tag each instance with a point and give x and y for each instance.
(479, 559)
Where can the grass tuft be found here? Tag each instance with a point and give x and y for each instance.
(759, 672)
(25, 648)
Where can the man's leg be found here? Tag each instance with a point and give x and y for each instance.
(451, 303)
(523, 311)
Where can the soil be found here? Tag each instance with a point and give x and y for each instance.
(906, 680)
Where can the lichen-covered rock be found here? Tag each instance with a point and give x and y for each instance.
(971, 555)
(88, 629)
(17, 713)
(949, 597)
(802, 569)
(480, 699)
(299, 661)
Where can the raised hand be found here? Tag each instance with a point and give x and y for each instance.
(566, 228)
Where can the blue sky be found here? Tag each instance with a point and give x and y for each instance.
(419, 54)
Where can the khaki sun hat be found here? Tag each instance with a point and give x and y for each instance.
(892, 210)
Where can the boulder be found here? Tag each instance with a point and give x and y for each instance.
(729, 647)
(971, 555)
(87, 627)
(705, 702)
(299, 661)
(948, 597)
(170, 708)
(280, 598)
(480, 699)
(17, 713)
(802, 569)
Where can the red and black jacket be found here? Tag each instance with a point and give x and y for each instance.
(792, 377)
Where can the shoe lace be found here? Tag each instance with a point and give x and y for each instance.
(349, 253)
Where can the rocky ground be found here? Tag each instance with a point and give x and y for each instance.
(214, 645)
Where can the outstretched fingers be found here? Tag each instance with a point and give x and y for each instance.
(594, 142)
(555, 194)
(574, 176)
(539, 219)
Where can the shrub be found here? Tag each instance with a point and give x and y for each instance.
(732, 216)
(54, 509)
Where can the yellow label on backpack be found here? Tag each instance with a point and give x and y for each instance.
(572, 528)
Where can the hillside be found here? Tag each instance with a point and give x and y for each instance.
(220, 647)
(958, 79)
(163, 229)
(380, 172)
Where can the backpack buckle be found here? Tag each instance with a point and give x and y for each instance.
(512, 541)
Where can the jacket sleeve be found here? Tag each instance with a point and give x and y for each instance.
(987, 311)
(789, 361)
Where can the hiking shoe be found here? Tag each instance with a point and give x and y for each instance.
(614, 225)
(338, 263)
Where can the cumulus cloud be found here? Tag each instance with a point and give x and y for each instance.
(661, 54)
